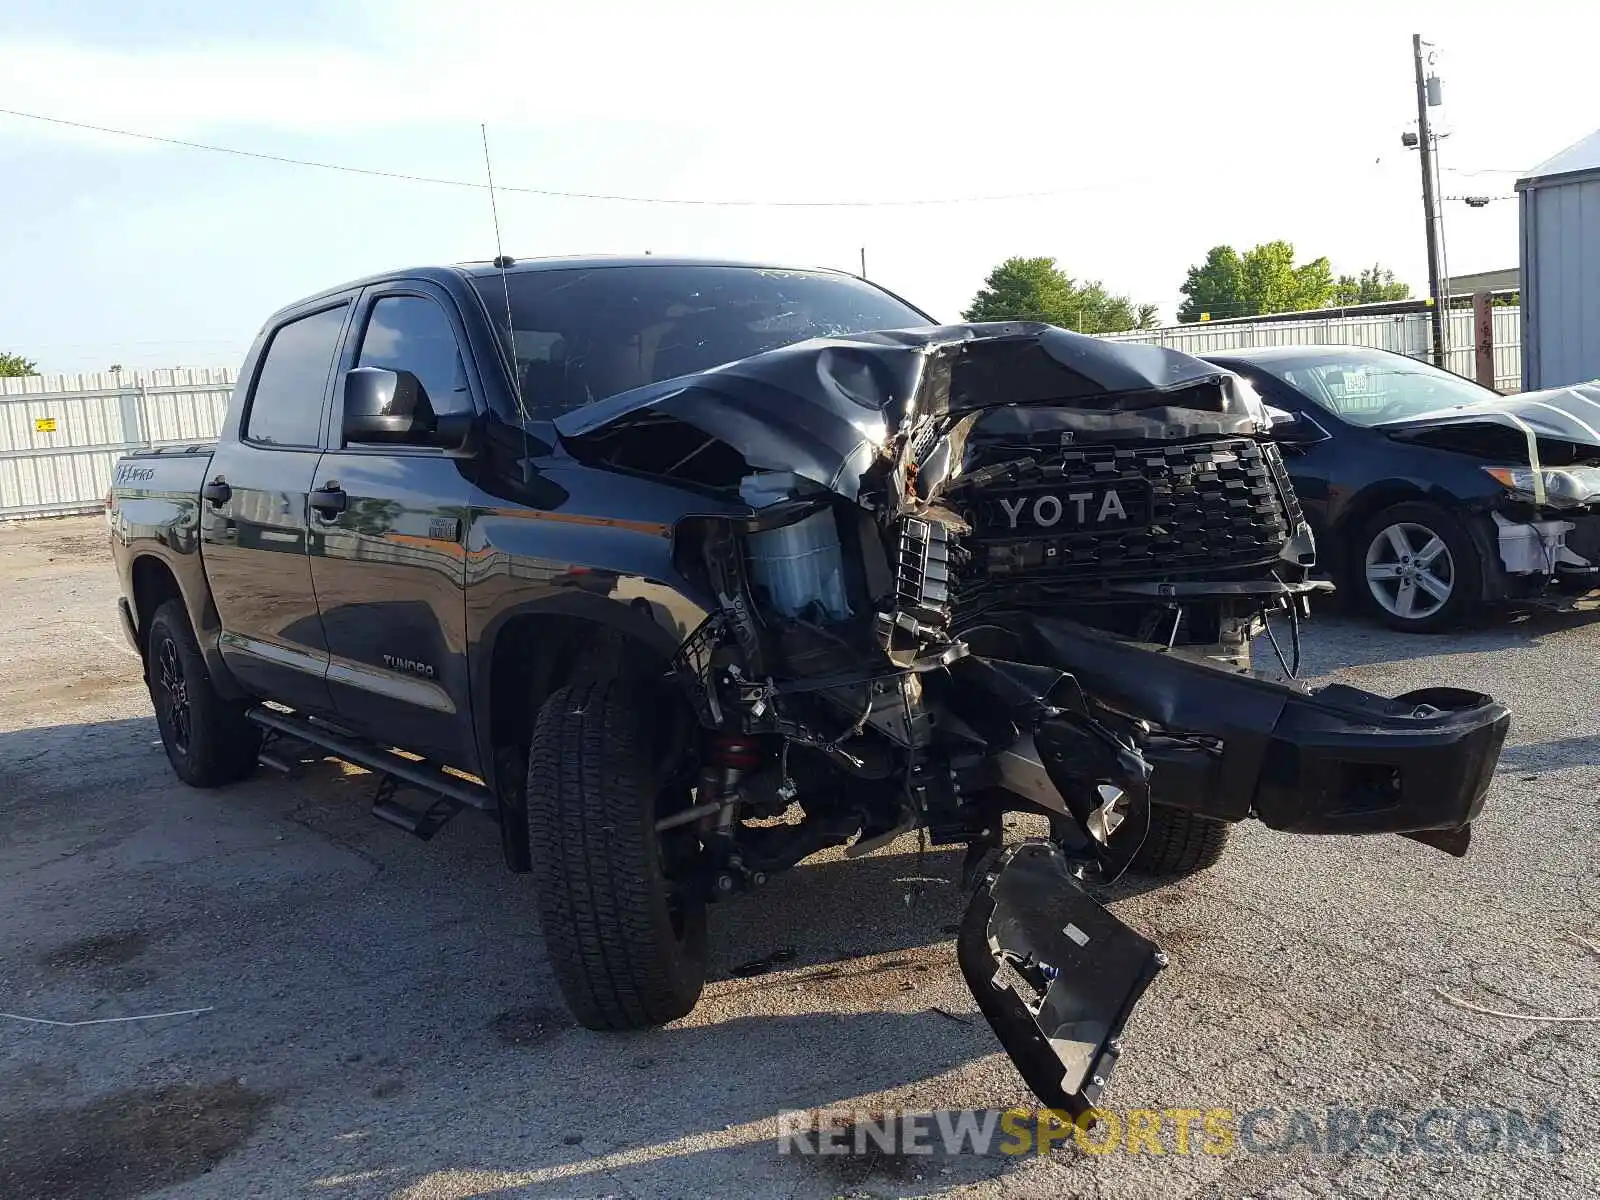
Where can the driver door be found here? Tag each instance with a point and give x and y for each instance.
(388, 546)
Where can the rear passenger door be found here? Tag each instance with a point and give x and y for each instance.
(254, 527)
(390, 564)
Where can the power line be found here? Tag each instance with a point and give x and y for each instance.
(709, 202)
(407, 177)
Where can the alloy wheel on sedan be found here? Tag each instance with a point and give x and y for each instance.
(1410, 571)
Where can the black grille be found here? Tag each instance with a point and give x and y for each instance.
(1211, 506)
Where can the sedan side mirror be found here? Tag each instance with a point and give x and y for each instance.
(390, 407)
(1294, 428)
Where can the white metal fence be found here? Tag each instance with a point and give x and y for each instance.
(1406, 333)
(60, 435)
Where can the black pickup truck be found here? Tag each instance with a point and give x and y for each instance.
(686, 571)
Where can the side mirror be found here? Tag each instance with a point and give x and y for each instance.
(1294, 428)
(392, 407)
(386, 406)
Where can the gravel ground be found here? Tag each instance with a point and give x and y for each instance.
(378, 1018)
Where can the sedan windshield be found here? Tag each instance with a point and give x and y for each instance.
(584, 333)
(1369, 387)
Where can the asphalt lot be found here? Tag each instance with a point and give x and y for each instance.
(378, 1018)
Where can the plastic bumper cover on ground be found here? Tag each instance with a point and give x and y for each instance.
(1054, 972)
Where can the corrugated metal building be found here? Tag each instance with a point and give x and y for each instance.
(1560, 202)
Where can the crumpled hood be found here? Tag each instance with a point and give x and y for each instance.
(827, 408)
(1495, 428)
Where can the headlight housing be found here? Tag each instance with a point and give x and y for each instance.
(1556, 487)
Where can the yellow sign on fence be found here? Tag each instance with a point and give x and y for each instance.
(44, 424)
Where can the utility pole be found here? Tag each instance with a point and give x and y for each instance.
(1430, 206)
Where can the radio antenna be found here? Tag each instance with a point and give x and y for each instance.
(502, 262)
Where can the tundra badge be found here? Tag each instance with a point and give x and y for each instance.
(395, 663)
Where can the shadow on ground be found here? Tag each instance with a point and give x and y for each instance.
(353, 979)
(1554, 755)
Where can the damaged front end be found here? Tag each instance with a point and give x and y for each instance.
(1542, 452)
(991, 568)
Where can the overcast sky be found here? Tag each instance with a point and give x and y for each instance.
(1160, 129)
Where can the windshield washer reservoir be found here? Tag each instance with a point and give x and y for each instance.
(799, 565)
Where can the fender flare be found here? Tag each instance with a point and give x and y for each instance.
(636, 619)
(195, 592)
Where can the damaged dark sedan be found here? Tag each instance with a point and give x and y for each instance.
(1433, 497)
(685, 572)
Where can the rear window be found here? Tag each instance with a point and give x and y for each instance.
(286, 406)
(585, 333)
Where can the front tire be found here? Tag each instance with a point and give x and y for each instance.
(626, 945)
(1179, 843)
(207, 738)
(1414, 566)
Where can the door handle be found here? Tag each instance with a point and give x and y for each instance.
(217, 492)
(329, 500)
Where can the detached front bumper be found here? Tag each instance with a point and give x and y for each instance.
(1053, 971)
(1232, 744)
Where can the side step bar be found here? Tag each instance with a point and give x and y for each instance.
(449, 793)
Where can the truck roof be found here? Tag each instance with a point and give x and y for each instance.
(439, 274)
(589, 261)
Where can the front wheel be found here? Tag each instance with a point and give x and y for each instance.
(1415, 568)
(626, 943)
(208, 740)
(1179, 843)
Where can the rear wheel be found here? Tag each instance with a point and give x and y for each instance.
(1415, 568)
(626, 943)
(207, 738)
(1179, 843)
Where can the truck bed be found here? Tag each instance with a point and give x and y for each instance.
(163, 471)
(173, 451)
(154, 508)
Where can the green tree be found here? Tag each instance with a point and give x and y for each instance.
(1215, 287)
(1374, 285)
(1264, 279)
(15, 364)
(1035, 289)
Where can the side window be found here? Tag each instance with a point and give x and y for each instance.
(413, 334)
(286, 406)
